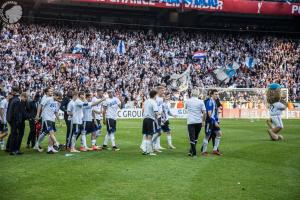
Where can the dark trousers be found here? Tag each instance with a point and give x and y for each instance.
(16, 136)
(32, 134)
(194, 131)
(68, 124)
(20, 138)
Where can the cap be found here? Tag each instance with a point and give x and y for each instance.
(274, 86)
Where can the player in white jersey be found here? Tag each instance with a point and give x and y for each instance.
(195, 119)
(156, 136)
(275, 122)
(150, 114)
(166, 112)
(97, 117)
(88, 126)
(70, 108)
(48, 92)
(110, 114)
(50, 105)
(3, 122)
(77, 117)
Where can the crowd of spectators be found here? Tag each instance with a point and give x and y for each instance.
(34, 56)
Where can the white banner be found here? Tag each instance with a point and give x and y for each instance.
(136, 113)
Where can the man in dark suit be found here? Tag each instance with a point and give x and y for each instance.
(16, 116)
(32, 110)
(64, 105)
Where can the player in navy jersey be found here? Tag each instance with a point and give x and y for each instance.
(212, 124)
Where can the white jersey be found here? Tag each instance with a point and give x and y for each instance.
(97, 108)
(70, 109)
(78, 111)
(87, 114)
(159, 102)
(4, 107)
(150, 107)
(50, 108)
(166, 111)
(276, 109)
(112, 106)
(43, 101)
(195, 107)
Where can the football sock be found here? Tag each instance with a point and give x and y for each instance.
(143, 145)
(169, 139)
(147, 146)
(93, 142)
(112, 138)
(217, 142)
(40, 139)
(205, 142)
(154, 139)
(83, 139)
(73, 142)
(158, 142)
(106, 139)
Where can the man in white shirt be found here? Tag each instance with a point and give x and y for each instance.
(88, 125)
(3, 122)
(275, 122)
(50, 105)
(150, 114)
(110, 114)
(48, 92)
(195, 119)
(97, 116)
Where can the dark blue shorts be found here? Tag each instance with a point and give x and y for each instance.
(48, 126)
(148, 126)
(165, 127)
(111, 125)
(98, 125)
(210, 128)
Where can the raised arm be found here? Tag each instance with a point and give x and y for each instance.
(97, 102)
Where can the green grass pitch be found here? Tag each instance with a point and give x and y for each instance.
(252, 167)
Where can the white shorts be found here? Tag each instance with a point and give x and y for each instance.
(276, 121)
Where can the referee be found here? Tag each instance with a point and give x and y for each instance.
(196, 118)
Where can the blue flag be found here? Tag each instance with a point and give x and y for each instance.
(250, 62)
(230, 71)
(121, 47)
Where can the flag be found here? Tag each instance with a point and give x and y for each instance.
(78, 49)
(224, 74)
(180, 82)
(230, 71)
(121, 47)
(199, 55)
(250, 62)
(221, 75)
(235, 65)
